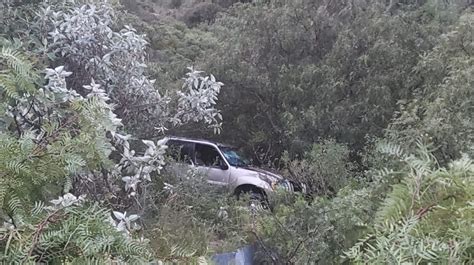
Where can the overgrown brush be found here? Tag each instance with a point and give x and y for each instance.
(427, 217)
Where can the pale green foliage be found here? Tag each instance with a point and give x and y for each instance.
(395, 244)
(84, 36)
(52, 133)
(66, 129)
(69, 232)
(115, 60)
(197, 101)
(427, 217)
(46, 148)
(17, 73)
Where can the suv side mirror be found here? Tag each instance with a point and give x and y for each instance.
(223, 165)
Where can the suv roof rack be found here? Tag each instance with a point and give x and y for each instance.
(197, 140)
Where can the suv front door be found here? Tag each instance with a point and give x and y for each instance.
(210, 162)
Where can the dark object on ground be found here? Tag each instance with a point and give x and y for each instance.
(242, 256)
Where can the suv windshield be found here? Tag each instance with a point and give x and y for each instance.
(234, 157)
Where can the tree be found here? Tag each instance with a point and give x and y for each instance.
(441, 109)
(50, 133)
(297, 72)
(59, 131)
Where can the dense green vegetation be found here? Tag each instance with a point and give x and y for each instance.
(371, 103)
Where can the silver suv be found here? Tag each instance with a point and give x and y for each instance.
(224, 165)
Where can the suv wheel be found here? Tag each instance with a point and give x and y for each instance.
(257, 199)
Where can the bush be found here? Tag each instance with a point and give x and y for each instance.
(326, 168)
(176, 4)
(57, 126)
(440, 111)
(69, 232)
(229, 3)
(201, 13)
(194, 219)
(426, 217)
(298, 232)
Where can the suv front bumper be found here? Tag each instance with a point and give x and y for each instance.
(291, 186)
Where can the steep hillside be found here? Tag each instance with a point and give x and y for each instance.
(192, 12)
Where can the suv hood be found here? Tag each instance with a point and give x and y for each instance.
(260, 173)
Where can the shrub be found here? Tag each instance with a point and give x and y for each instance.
(57, 126)
(191, 218)
(72, 232)
(201, 13)
(176, 4)
(298, 232)
(427, 217)
(440, 110)
(326, 168)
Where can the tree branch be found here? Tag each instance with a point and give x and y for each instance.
(38, 231)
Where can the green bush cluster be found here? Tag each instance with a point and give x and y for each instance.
(325, 168)
(300, 71)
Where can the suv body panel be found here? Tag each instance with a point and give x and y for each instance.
(224, 173)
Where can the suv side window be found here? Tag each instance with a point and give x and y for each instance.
(180, 151)
(206, 155)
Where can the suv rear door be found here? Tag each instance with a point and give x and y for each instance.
(183, 153)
